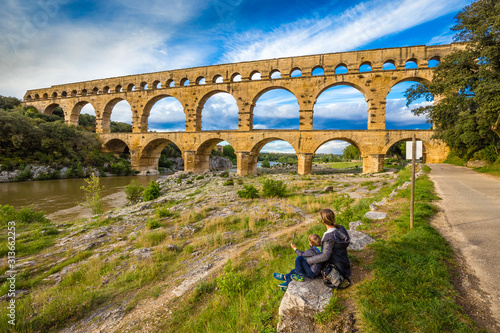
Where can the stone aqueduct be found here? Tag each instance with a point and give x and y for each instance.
(194, 86)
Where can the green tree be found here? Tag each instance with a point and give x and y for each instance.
(467, 82)
(93, 194)
(228, 151)
(351, 153)
(133, 191)
(152, 191)
(265, 163)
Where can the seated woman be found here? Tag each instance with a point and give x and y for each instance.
(334, 243)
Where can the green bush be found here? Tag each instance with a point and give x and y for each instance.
(224, 174)
(248, 192)
(265, 164)
(152, 191)
(273, 188)
(229, 182)
(153, 224)
(29, 215)
(133, 191)
(164, 212)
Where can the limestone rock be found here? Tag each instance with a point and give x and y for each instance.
(375, 215)
(354, 225)
(476, 164)
(306, 298)
(142, 253)
(359, 240)
(373, 208)
(220, 164)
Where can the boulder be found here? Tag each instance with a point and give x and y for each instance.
(220, 164)
(375, 215)
(359, 240)
(305, 298)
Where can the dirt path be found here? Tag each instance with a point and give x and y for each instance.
(470, 221)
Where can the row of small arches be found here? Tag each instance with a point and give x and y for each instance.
(236, 77)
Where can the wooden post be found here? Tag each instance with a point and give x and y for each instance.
(413, 154)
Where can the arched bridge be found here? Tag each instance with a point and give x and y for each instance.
(194, 86)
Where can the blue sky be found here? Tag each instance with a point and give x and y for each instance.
(47, 42)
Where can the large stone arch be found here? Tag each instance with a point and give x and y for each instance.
(75, 111)
(149, 155)
(340, 138)
(247, 160)
(115, 145)
(106, 113)
(144, 118)
(204, 99)
(49, 109)
(433, 151)
(199, 159)
(262, 91)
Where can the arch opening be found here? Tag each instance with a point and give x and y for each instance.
(276, 108)
(339, 155)
(131, 87)
(144, 85)
(398, 115)
(200, 80)
(389, 65)
(210, 153)
(365, 67)
(318, 70)
(255, 76)
(236, 77)
(64, 94)
(164, 113)
(340, 107)
(106, 90)
(54, 109)
(118, 89)
(219, 111)
(87, 117)
(411, 64)
(218, 79)
(341, 69)
(170, 83)
(275, 74)
(400, 153)
(433, 62)
(184, 82)
(296, 72)
(157, 84)
(273, 154)
(45, 96)
(162, 155)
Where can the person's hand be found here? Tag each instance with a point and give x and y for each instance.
(293, 246)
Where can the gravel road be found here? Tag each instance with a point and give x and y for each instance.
(470, 221)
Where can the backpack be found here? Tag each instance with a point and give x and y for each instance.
(332, 277)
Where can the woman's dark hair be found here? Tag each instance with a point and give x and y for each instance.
(328, 217)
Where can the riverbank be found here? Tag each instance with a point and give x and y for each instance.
(160, 265)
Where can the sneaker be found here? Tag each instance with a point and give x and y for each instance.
(279, 276)
(297, 277)
(283, 286)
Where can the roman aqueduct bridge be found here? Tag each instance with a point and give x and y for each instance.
(194, 86)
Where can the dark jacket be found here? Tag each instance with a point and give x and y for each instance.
(312, 251)
(335, 245)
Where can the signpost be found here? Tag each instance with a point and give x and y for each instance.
(412, 204)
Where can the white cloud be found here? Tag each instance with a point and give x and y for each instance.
(38, 53)
(397, 112)
(332, 147)
(356, 27)
(278, 147)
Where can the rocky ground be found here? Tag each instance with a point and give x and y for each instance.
(197, 224)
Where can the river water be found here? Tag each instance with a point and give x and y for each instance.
(59, 198)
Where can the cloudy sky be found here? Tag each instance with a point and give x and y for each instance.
(47, 42)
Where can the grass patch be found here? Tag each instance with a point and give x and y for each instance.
(412, 290)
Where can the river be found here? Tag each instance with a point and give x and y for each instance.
(59, 198)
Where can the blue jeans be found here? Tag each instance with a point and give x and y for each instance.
(301, 268)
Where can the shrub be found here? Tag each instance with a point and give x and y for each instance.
(273, 188)
(152, 191)
(29, 215)
(152, 224)
(265, 164)
(164, 212)
(93, 193)
(224, 174)
(248, 192)
(133, 191)
(229, 182)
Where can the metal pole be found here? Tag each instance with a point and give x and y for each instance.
(413, 154)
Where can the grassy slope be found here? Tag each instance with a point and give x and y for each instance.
(411, 289)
